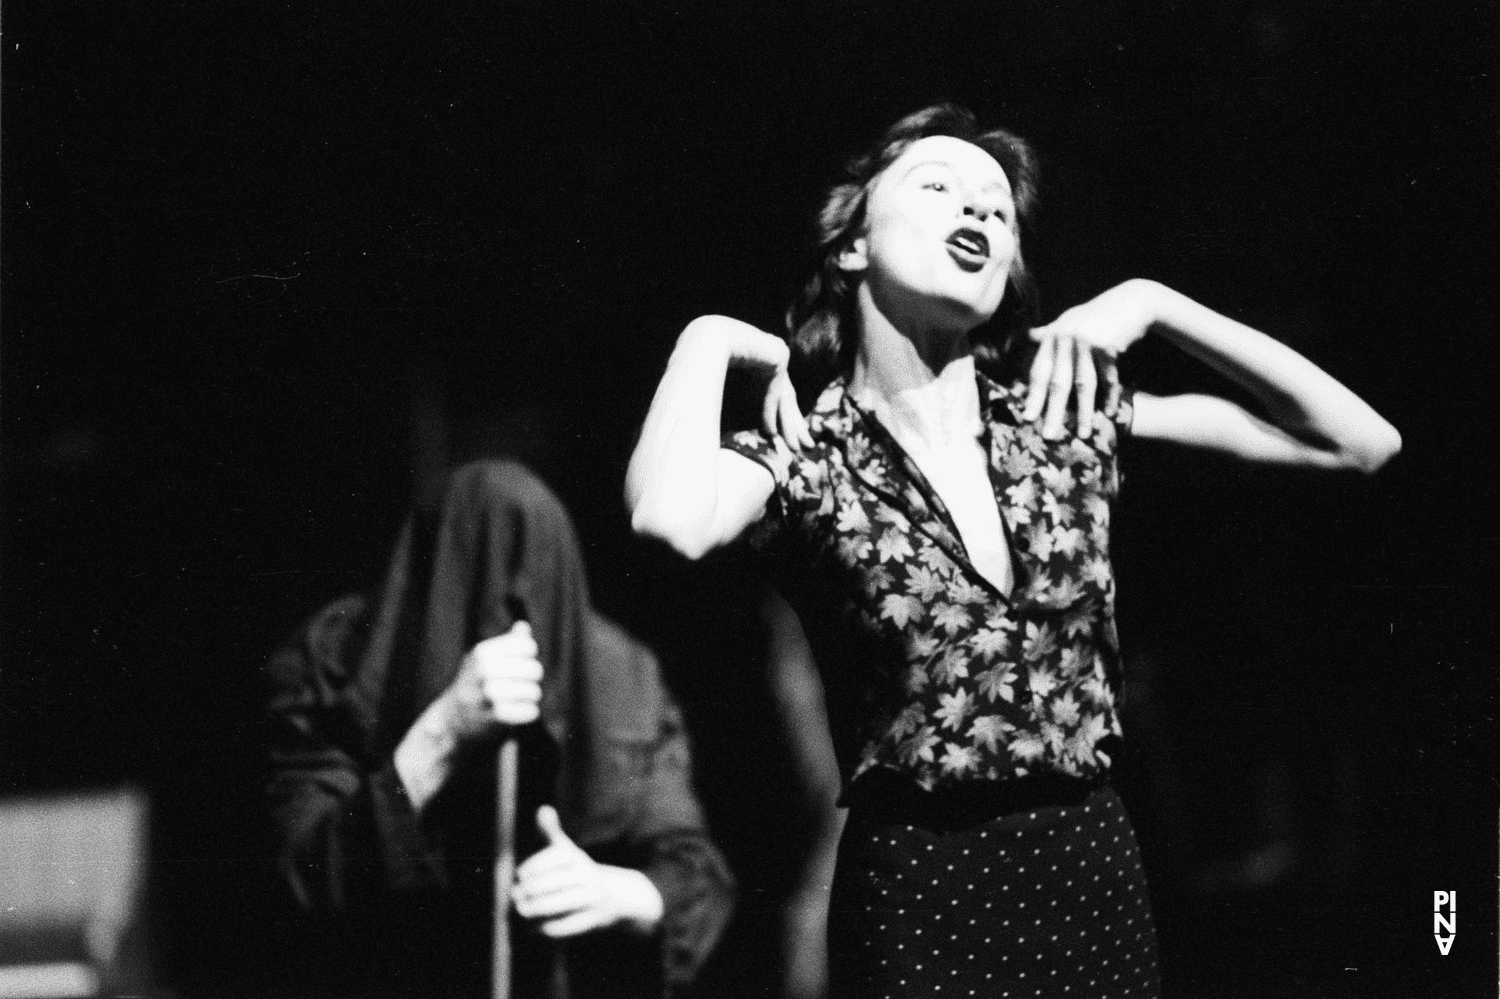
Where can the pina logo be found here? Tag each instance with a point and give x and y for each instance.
(1441, 923)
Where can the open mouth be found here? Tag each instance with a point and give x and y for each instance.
(969, 248)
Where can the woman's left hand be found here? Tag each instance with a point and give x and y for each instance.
(1064, 368)
(1080, 346)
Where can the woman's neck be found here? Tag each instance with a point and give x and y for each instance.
(894, 358)
(921, 387)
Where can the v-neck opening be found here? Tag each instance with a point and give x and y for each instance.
(879, 431)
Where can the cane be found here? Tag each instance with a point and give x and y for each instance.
(507, 779)
(507, 775)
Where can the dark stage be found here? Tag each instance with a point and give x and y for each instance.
(269, 267)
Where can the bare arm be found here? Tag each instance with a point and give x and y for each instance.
(681, 486)
(1311, 419)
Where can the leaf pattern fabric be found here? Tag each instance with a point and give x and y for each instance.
(932, 671)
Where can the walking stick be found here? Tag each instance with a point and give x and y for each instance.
(507, 778)
(507, 775)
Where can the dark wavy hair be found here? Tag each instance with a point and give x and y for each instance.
(821, 323)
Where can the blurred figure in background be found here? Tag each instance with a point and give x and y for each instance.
(384, 714)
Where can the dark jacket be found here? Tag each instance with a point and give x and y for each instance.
(400, 904)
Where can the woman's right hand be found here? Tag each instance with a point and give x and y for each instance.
(765, 357)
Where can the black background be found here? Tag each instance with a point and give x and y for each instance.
(245, 242)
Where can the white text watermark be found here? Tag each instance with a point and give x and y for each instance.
(1444, 919)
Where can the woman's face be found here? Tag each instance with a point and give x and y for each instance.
(939, 234)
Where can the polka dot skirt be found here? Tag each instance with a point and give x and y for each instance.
(1048, 901)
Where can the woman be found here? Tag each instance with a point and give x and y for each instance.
(954, 537)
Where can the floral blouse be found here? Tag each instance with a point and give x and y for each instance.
(931, 671)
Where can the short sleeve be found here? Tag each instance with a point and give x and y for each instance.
(774, 455)
(793, 477)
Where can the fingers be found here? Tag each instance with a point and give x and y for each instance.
(779, 415)
(1059, 388)
(770, 405)
(575, 902)
(1041, 374)
(1064, 367)
(568, 893)
(560, 853)
(1086, 384)
(509, 675)
(577, 924)
(561, 884)
(515, 644)
(556, 897)
(793, 426)
(548, 862)
(513, 702)
(550, 826)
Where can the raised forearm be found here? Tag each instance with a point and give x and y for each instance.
(671, 484)
(1298, 396)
